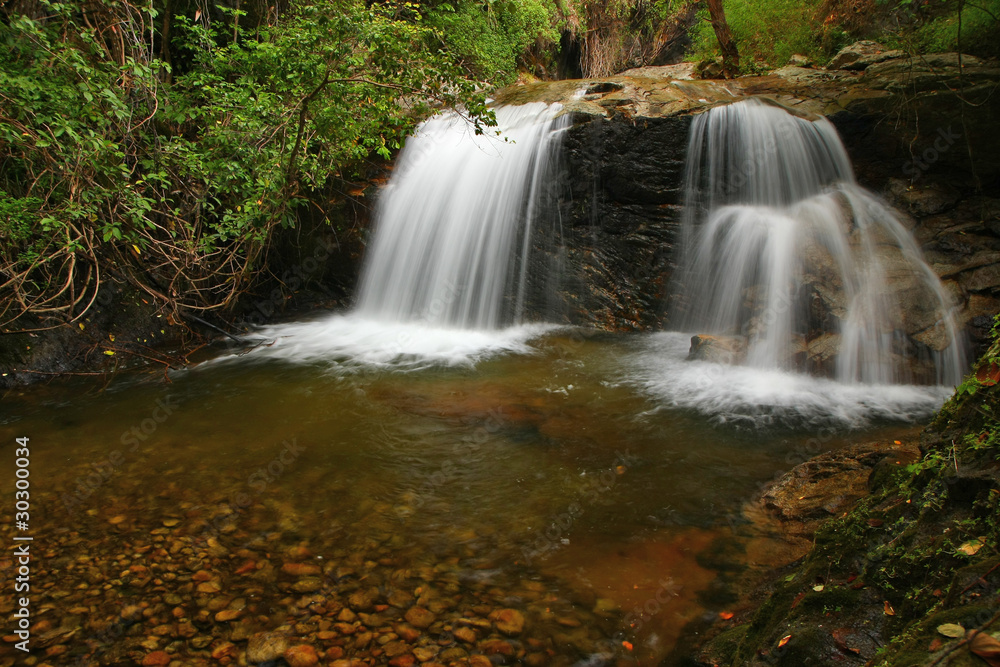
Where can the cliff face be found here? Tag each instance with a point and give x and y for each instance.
(919, 132)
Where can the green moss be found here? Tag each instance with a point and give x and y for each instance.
(920, 544)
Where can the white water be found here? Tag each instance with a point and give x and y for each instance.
(445, 274)
(354, 342)
(453, 226)
(774, 220)
(754, 397)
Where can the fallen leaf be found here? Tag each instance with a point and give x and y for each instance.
(935, 644)
(725, 615)
(889, 611)
(818, 587)
(875, 523)
(971, 548)
(798, 599)
(952, 630)
(784, 640)
(110, 353)
(989, 375)
(627, 645)
(896, 442)
(985, 646)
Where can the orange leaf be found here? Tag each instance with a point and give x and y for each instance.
(988, 375)
(986, 647)
(889, 611)
(627, 645)
(784, 640)
(725, 615)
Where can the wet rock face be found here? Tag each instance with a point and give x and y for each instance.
(619, 214)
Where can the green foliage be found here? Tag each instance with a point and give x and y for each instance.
(768, 32)
(179, 179)
(493, 36)
(937, 29)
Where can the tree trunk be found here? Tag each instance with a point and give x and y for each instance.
(730, 56)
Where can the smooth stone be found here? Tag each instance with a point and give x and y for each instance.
(265, 646)
(496, 647)
(225, 650)
(156, 659)
(302, 655)
(419, 617)
(307, 585)
(406, 632)
(508, 621)
(300, 569)
(466, 635)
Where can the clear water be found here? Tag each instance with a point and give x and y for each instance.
(561, 477)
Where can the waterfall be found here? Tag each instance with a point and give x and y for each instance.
(799, 267)
(454, 226)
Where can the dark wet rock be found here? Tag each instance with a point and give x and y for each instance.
(829, 484)
(717, 349)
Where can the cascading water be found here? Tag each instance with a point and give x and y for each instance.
(799, 265)
(447, 271)
(454, 225)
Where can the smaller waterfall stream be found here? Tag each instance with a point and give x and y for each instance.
(453, 227)
(797, 264)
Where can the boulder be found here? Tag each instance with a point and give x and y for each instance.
(718, 349)
(860, 55)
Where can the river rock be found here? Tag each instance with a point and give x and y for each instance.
(265, 646)
(302, 655)
(717, 349)
(406, 632)
(156, 659)
(466, 635)
(225, 650)
(508, 621)
(496, 647)
(419, 617)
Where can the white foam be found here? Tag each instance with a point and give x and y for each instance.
(744, 395)
(351, 341)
